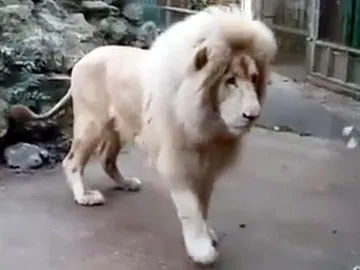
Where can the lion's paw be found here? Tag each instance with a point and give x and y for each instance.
(130, 184)
(213, 236)
(201, 250)
(90, 198)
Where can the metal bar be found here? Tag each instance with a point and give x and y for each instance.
(350, 89)
(257, 7)
(346, 74)
(313, 33)
(337, 46)
(327, 61)
(302, 13)
(313, 42)
(167, 15)
(337, 81)
(261, 9)
(180, 10)
(287, 29)
(274, 26)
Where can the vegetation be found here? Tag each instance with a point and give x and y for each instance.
(15, 65)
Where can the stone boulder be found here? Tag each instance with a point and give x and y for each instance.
(146, 35)
(4, 106)
(25, 156)
(51, 40)
(37, 40)
(79, 39)
(117, 3)
(72, 6)
(113, 29)
(97, 9)
(41, 40)
(133, 12)
(16, 2)
(52, 7)
(16, 22)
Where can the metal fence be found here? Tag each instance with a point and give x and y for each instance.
(334, 44)
(325, 32)
(322, 34)
(164, 16)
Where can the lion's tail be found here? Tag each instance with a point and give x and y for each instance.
(21, 113)
(57, 107)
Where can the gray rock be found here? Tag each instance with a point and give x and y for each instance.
(5, 71)
(51, 41)
(51, 7)
(4, 106)
(146, 34)
(28, 3)
(113, 29)
(133, 12)
(25, 156)
(28, 43)
(71, 5)
(96, 8)
(12, 14)
(114, 11)
(79, 39)
(77, 23)
(44, 48)
(117, 3)
(50, 23)
(38, 41)
(16, 22)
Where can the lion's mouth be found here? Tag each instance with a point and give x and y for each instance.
(239, 129)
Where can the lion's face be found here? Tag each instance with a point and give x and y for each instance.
(239, 96)
(222, 97)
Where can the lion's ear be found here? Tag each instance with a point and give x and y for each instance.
(201, 58)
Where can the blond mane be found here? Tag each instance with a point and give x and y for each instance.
(219, 30)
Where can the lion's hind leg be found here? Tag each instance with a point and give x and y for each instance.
(86, 137)
(108, 153)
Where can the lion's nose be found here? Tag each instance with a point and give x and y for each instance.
(251, 109)
(250, 117)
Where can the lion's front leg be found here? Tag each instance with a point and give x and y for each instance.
(198, 241)
(204, 191)
(190, 199)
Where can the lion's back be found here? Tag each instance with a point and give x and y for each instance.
(104, 84)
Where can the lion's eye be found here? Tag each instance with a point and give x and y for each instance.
(231, 81)
(254, 78)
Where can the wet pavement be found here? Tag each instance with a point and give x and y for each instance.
(286, 106)
(292, 203)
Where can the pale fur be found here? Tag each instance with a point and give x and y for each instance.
(187, 101)
(179, 131)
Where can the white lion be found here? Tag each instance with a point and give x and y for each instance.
(188, 101)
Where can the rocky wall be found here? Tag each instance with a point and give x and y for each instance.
(41, 40)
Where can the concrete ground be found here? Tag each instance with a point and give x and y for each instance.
(291, 204)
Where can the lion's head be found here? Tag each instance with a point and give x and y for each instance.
(209, 73)
(240, 94)
(229, 91)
